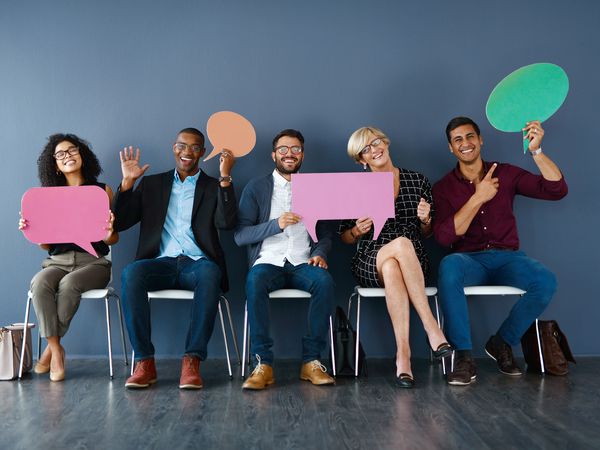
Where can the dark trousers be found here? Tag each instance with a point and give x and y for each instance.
(138, 278)
(265, 278)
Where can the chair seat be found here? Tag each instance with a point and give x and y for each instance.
(179, 294)
(95, 293)
(493, 290)
(380, 292)
(289, 293)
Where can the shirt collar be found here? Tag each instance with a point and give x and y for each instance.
(460, 176)
(279, 180)
(193, 178)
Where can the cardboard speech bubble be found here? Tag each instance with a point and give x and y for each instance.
(231, 131)
(330, 196)
(66, 214)
(533, 92)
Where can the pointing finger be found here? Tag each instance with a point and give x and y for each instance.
(488, 176)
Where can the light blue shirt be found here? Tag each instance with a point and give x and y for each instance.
(177, 237)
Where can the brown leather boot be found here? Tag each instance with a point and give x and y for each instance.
(190, 373)
(261, 377)
(143, 376)
(316, 373)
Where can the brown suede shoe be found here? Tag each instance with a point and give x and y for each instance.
(143, 376)
(261, 377)
(190, 373)
(316, 373)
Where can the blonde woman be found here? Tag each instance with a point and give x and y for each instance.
(397, 260)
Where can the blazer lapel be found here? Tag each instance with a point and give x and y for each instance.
(199, 192)
(165, 195)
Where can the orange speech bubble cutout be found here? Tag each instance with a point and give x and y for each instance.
(230, 131)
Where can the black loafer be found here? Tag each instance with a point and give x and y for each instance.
(405, 380)
(443, 350)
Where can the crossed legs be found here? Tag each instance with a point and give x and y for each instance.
(401, 275)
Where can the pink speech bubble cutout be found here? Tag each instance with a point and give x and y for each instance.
(231, 131)
(69, 214)
(333, 196)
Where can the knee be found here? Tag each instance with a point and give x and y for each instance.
(256, 283)
(544, 283)
(390, 269)
(323, 280)
(68, 285)
(132, 273)
(451, 269)
(402, 246)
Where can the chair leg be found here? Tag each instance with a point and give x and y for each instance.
(357, 335)
(225, 339)
(332, 348)
(350, 303)
(233, 333)
(109, 337)
(539, 344)
(132, 361)
(24, 343)
(245, 340)
(120, 311)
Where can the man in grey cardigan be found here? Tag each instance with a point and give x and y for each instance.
(282, 255)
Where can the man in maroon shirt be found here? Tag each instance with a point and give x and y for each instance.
(474, 217)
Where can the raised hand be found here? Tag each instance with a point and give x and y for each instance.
(226, 162)
(487, 188)
(287, 219)
(424, 212)
(535, 134)
(363, 226)
(130, 167)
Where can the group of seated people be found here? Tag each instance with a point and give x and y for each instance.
(180, 212)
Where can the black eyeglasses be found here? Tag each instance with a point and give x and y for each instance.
(62, 154)
(195, 147)
(367, 149)
(284, 149)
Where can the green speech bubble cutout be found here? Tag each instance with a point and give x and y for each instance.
(533, 92)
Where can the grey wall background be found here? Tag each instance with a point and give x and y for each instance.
(134, 73)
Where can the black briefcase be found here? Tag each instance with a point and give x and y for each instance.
(344, 344)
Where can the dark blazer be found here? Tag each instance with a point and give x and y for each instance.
(214, 207)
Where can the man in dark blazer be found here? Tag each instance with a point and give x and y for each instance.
(179, 212)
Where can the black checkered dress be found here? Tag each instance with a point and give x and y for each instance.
(413, 186)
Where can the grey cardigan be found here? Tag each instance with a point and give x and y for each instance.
(254, 225)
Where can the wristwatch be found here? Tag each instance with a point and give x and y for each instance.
(536, 152)
(227, 178)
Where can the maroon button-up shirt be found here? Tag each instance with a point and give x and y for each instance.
(494, 226)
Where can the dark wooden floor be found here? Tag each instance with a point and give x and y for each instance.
(90, 411)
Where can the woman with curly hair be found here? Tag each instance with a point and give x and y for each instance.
(68, 271)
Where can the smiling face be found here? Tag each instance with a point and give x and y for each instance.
(68, 159)
(466, 144)
(188, 149)
(376, 154)
(290, 162)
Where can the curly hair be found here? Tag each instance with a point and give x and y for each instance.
(47, 171)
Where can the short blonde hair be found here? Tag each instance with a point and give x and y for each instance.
(360, 139)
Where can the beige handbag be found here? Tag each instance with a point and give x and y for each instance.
(11, 339)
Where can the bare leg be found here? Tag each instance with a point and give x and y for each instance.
(402, 250)
(46, 355)
(398, 306)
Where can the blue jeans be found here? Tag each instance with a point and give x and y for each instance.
(265, 278)
(138, 278)
(493, 267)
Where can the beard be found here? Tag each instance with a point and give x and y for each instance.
(284, 171)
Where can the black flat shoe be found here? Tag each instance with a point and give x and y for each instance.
(443, 350)
(405, 380)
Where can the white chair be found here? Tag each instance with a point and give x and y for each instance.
(93, 294)
(181, 294)
(361, 292)
(499, 291)
(278, 294)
